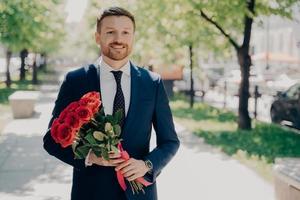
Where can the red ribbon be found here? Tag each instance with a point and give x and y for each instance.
(120, 176)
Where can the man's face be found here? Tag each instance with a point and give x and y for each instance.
(115, 37)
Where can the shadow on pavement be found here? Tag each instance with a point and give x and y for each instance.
(25, 167)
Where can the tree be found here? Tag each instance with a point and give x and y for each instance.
(231, 19)
(26, 25)
(174, 23)
(238, 16)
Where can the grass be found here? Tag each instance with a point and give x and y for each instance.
(16, 85)
(257, 148)
(21, 85)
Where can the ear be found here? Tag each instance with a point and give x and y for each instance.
(97, 37)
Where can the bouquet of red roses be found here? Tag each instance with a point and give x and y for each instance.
(85, 127)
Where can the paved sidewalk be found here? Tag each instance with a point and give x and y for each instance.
(198, 172)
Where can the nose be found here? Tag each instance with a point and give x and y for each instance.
(118, 37)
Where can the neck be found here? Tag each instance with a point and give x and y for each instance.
(115, 64)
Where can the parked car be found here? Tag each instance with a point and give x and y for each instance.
(286, 106)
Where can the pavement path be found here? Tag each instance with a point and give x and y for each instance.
(198, 172)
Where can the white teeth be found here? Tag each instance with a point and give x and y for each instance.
(118, 47)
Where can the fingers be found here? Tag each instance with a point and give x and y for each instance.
(124, 164)
(113, 155)
(133, 177)
(132, 169)
(116, 161)
(112, 162)
(127, 169)
(129, 173)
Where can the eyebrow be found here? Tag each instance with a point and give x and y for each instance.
(107, 27)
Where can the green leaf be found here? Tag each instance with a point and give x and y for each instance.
(90, 139)
(118, 117)
(97, 151)
(101, 145)
(82, 151)
(114, 149)
(117, 129)
(74, 145)
(109, 118)
(104, 153)
(78, 155)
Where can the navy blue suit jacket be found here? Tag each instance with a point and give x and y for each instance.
(148, 106)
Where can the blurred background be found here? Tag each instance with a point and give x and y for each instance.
(231, 69)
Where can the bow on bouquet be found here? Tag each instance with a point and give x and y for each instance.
(85, 127)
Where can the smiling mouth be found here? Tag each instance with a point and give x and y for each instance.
(117, 46)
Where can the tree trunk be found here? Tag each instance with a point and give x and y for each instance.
(45, 61)
(8, 79)
(192, 91)
(34, 71)
(244, 59)
(244, 121)
(23, 55)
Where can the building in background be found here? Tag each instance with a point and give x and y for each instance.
(169, 75)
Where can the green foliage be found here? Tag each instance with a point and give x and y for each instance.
(34, 25)
(101, 134)
(200, 112)
(265, 141)
(15, 86)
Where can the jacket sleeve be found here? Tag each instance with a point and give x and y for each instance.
(167, 140)
(66, 155)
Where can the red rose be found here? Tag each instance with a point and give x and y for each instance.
(63, 115)
(65, 135)
(53, 130)
(84, 113)
(92, 95)
(73, 120)
(72, 106)
(96, 106)
(92, 104)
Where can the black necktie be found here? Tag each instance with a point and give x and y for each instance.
(119, 101)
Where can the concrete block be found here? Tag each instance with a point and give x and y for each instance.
(22, 103)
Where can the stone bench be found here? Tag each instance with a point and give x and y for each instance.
(22, 103)
(287, 179)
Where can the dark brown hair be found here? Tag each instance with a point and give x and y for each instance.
(114, 11)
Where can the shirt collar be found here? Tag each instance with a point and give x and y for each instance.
(106, 69)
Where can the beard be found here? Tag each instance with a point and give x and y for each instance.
(116, 54)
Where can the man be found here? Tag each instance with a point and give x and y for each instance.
(141, 96)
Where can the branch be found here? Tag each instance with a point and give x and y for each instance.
(210, 20)
(248, 23)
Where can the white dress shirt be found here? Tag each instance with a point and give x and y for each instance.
(108, 85)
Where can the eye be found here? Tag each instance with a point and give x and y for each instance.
(125, 32)
(109, 32)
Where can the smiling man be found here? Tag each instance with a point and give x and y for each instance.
(141, 96)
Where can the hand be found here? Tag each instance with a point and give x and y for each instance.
(114, 159)
(132, 169)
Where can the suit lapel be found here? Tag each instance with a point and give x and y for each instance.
(134, 94)
(93, 77)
